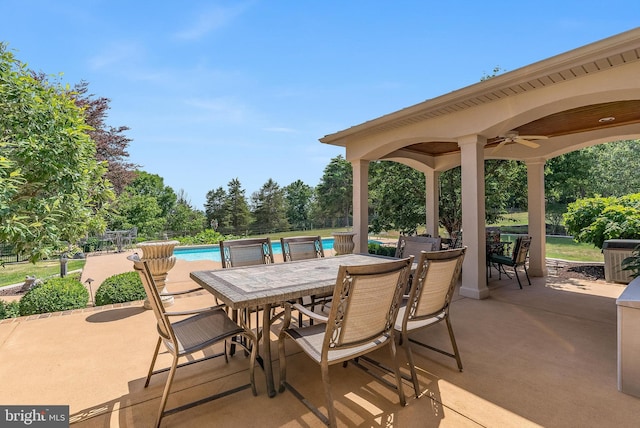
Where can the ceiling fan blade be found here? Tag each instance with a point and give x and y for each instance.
(534, 137)
(499, 146)
(527, 143)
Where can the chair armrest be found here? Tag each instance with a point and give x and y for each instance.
(310, 314)
(177, 293)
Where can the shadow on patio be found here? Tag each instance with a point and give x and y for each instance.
(541, 356)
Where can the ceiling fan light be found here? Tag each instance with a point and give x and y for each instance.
(606, 119)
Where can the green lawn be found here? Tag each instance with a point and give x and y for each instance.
(560, 247)
(513, 219)
(15, 273)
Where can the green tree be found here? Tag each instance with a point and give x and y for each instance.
(614, 170)
(335, 191)
(238, 215)
(298, 197)
(145, 203)
(141, 211)
(215, 207)
(152, 185)
(397, 195)
(55, 184)
(568, 177)
(183, 219)
(504, 185)
(269, 210)
(450, 204)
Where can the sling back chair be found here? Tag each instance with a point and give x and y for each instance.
(301, 248)
(304, 248)
(246, 252)
(434, 282)
(195, 330)
(361, 319)
(412, 245)
(517, 258)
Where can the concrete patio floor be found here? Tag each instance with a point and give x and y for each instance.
(541, 356)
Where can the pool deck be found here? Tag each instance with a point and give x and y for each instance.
(541, 356)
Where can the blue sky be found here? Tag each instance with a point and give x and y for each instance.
(216, 90)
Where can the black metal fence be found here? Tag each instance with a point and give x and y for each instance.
(8, 254)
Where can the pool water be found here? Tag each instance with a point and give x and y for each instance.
(212, 252)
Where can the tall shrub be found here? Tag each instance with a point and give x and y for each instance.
(595, 220)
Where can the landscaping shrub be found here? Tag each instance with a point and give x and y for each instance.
(9, 309)
(594, 220)
(56, 294)
(382, 250)
(124, 287)
(207, 236)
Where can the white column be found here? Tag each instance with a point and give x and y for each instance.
(361, 204)
(474, 269)
(432, 202)
(537, 226)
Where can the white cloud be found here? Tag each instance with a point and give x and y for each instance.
(208, 21)
(116, 54)
(220, 109)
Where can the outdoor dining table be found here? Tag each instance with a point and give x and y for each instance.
(265, 286)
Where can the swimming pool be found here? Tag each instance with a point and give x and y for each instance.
(212, 252)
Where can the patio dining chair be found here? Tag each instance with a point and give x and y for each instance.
(246, 252)
(517, 258)
(412, 245)
(428, 302)
(304, 248)
(301, 248)
(194, 331)
(361, 319)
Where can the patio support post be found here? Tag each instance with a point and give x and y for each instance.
(537, 224)
(474, 268)
(432, 198)
(361, 204)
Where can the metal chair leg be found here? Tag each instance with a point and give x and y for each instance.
(153, 362)
(515, 269)
(412, 366)
(167, 388)
(396, 369)
(526, 273)
(324, 368)
(453, 343)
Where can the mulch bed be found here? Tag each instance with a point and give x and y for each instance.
(562, 269)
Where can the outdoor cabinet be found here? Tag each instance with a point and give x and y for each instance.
(629, 339)
(615, 251)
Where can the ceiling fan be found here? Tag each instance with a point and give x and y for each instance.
(514, 137)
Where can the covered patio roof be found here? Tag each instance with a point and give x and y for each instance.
(580, 98)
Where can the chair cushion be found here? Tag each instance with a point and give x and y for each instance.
(311, 339)
(504, 260)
